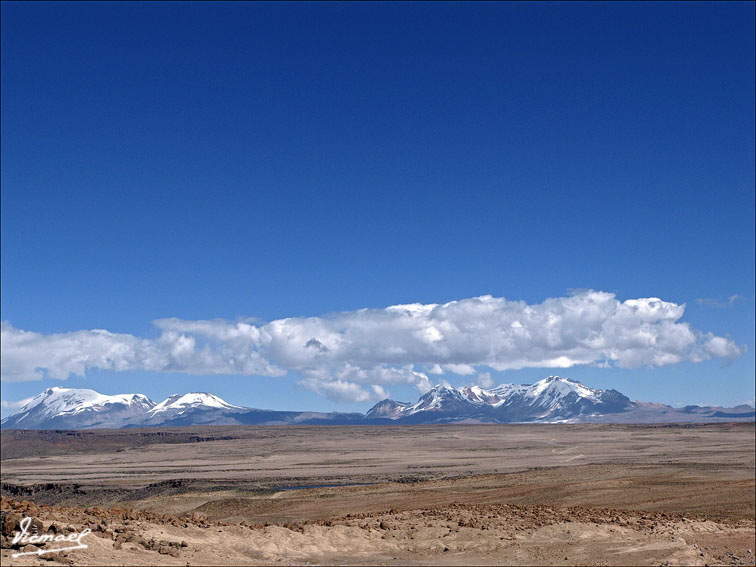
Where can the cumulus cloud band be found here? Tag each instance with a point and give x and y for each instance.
(351, 356)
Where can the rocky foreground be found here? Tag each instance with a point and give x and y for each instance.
(454, 534)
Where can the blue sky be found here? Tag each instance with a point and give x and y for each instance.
(232, 161)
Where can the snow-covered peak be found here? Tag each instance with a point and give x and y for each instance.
(475, 394)
(549, 399)
(68, 408)
(505, 390)
(547, 394)
(70, 401)
(432, 398)
(556, 386)
(388, 409)
(480, 396)
(192, 400)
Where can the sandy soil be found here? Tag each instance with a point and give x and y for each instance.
(520, 495)
(452, 534)
(268, 457)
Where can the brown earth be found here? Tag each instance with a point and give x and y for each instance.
(582, 494)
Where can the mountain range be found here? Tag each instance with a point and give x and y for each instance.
(551, 400)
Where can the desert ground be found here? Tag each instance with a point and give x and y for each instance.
(438, 494)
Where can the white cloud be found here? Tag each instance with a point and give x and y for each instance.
(12, 406)
(353, 355)
(711, 302)
(485, 380)
(28, 355)
(340, 390)
(460, 369)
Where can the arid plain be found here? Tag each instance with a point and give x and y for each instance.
(456, 494)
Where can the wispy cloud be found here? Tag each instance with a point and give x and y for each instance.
(353, 355)
(711, 302)
(485, 380)
(13, 406)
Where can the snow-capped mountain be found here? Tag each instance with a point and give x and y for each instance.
(66, 408)
(551, 400)
(388, 409)
(190, 409)
(180, 403)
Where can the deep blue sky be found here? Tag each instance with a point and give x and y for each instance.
(272, 160)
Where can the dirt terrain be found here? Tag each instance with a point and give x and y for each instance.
(483, 494)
